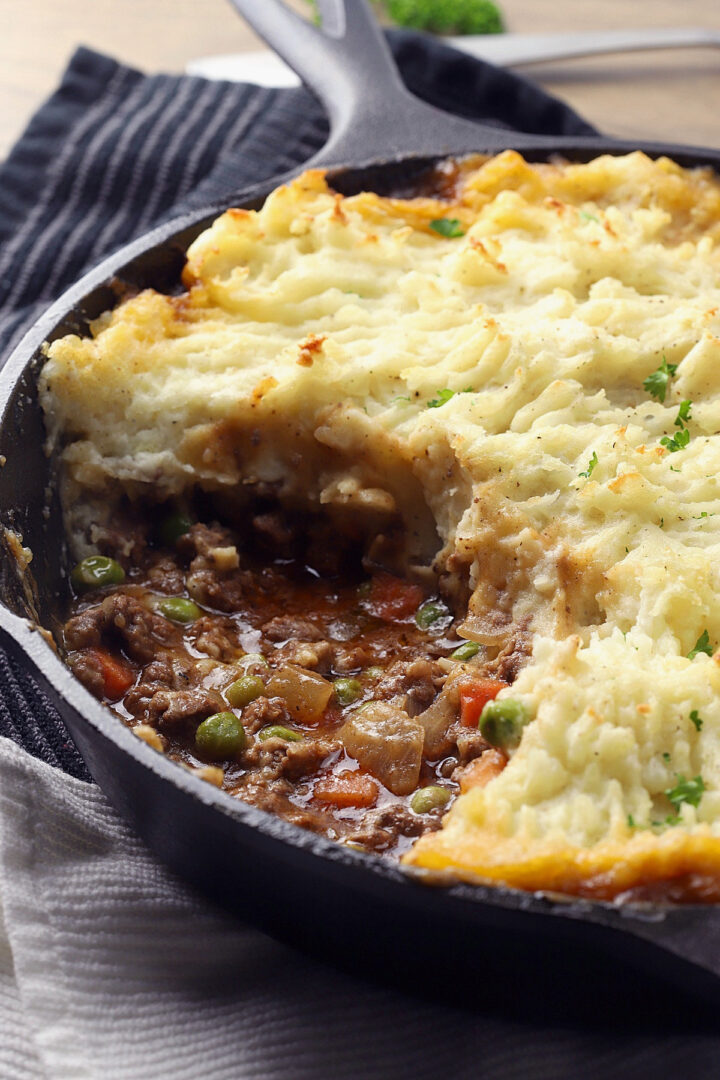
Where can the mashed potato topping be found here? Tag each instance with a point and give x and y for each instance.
(529, 365)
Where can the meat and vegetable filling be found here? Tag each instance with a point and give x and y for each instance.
(271, 662)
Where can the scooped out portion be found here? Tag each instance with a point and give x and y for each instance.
(268, 660)
(447, 474)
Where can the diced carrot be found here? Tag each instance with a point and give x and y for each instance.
(482, 770)
(474, 696)
(347, 789)
(393, 599)
(117, 674)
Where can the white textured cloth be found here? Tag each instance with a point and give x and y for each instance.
(112, 969)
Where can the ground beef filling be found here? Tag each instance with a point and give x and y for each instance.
(349, 714)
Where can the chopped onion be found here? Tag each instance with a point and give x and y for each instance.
(488, 628)
(306, 693)
(387, 743)
(437, 719)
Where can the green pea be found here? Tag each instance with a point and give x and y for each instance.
(277, 731)
(220, 736)
(430, 612)
(501, 722)
(244, 690)
(95, 571)
(430, 798)
(347, 690)
(173, 527)
(466, 651)
(178, 609)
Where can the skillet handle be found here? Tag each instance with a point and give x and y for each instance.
(350, 68)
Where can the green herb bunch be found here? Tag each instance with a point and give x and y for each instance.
(438, 16)
(446, 16)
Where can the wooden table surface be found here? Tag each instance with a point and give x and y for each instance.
(666, 95)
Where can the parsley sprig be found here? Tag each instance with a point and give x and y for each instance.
(685, 791)
(657, 383)
(696, 719)
(678, 442)
(591, 465)
(702, 645)
(450, 228)
(681, 438)
(444, 395)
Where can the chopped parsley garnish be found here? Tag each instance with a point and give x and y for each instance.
(678, 442)
(686, 791)
(671, 819)
(682, 437)
(450, 228)
(443, 396)
(666, 756)
(657, 383)
(589, 217)
(702, 645)
(631, 822)
(696, 719)
(591, 465)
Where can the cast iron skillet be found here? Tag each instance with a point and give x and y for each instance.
(338, 903)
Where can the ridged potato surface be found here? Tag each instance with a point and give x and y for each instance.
(316, 349)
